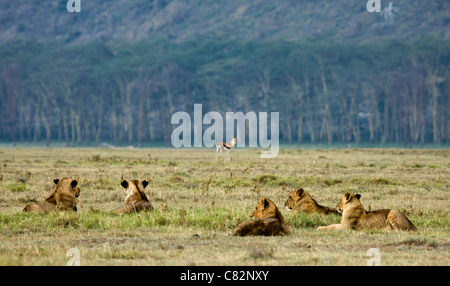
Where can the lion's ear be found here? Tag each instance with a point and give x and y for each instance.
(124, 184)
(263, 202)
(358, 196)
(348, 196)
(300, 192)
(74, 183)
(56, 181)
(144, 183)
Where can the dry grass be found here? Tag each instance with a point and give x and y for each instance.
(199, 201)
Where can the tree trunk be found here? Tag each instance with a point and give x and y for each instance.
(37, 123)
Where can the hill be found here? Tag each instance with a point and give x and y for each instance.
(248, 20)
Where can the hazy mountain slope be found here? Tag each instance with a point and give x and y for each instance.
(178, 20)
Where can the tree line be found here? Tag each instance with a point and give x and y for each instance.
(380, 91)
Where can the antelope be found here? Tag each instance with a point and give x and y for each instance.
(221, 146)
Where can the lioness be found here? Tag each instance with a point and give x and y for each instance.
(354, 216)
(63, 197)
(136, 199)
(267, 221)
(300, 200)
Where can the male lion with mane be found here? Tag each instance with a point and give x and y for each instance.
(136, 199)
(267, 221)
(354, 216)
(63, 197)
(300, 200)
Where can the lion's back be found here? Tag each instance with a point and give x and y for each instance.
(373, 219)
(131, 208)
(260, 227)
(398, 221)
(39, 207)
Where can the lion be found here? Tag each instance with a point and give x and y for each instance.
(300, 200)
(136, 199)
(354, 216)
(63, 197)
(267, 221)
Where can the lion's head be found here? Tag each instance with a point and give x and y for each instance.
(295, 197)
(134, 190)
(267, 209)
(136, 199)
(67, 185)
(348, 200)
(64, 194)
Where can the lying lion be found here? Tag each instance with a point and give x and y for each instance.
(136, 199)
(267, 221)
(63, 197)
(354, 216)
(300, 200)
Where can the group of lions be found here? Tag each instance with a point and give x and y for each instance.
(267, 219)
(66, 191)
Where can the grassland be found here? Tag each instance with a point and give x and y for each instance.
(199, 201)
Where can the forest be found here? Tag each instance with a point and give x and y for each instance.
(374, 90)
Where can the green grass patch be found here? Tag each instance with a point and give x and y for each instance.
(332, 182)
(17, 187)
(216, 218)
(302, 220)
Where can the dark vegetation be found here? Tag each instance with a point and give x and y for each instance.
(117, 71)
